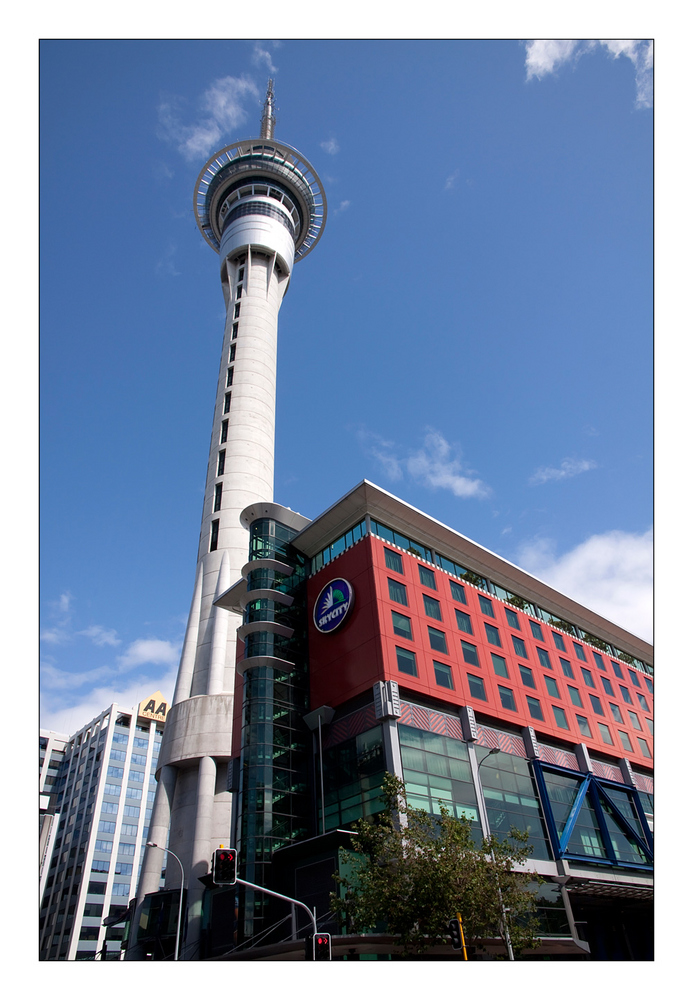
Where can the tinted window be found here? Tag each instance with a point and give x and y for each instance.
(398, 592)
(427, 577)
(393, 561)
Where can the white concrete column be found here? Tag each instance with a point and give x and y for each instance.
(201, 852)
(187, 659)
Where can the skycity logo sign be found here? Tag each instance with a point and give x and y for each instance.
(333, 605)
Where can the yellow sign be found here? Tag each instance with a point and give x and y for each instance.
(154, 707)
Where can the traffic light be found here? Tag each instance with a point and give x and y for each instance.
(319, 948)
(224, 866)
(455, 931)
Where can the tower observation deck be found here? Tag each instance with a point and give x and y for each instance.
(261, 206)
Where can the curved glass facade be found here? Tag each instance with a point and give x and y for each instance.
(274, 799)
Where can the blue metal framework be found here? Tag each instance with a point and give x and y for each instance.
(594, 789)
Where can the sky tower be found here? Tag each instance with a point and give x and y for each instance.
(261, 206)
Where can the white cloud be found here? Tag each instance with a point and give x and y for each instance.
(261, 56)
(101, 636)
(65, 715)
(223, 111)
(331, 146)
(569, 467)
(55, 635)
(545, 56)
(54, 679)
(149, 651)
(610, 573)
(450, 181)
(342, 207)
(437, 465)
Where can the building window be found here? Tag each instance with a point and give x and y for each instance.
(587, 677)
(239, 291)
(513, 620)
(558, 641)
(552, 687)
(598, 659)
(492, 634)
(469, 653)
(617, 669)
(575, 696)
(111, 790)
(648, 684)
(634, 677)
(114, 772)
(527, 676)
(500, 667)
(486, 606)
(432, 607)
(560, 717)
(536, 630)
(127, 849)
(237, 310)
(398, 592)
(437, 640)
(625, 694)
(650, 726)
(214, 536)
(443, 675)
(519, 647)
(579, 651)
(544, 658)
(634, 721)
(605, 733)
(644, 749)
(217, 496)
(476, 687)
(596, 705)
(406, 662)
(227, 402)
(232, 353)
(100, 866)
(224, 432)
(393, 561)
(616, 712)
(401, 625)
(234, 331)
(221, 463)
(464, 622)
(427, 577)
(643, 702)
(567, 669)
(106, 826)
(583, 726)
(534, 706)
(507, 698)
(104, 846)
(229, 377)
(457, 592)
(625, 741)
(606, 684)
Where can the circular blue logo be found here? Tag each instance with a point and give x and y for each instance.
(333, 605)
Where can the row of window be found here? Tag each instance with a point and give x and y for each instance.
(394, 561)
(402, 626)
(406, 664)
(106, 846)
(224, 432)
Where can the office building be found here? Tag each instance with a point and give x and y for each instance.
(96, 800)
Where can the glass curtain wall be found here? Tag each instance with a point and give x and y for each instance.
(274, 802)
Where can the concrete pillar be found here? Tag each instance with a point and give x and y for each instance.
(202, 849)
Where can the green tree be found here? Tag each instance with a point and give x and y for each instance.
(413, 872)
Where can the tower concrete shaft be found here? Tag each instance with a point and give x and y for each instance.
(260, 205)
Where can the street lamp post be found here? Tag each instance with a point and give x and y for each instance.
(180, 900)
(506, 931)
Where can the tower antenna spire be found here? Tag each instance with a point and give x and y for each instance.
(268, 119)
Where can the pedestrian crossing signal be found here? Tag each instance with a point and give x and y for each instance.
(224, 866)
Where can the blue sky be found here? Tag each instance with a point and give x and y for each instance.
(473, 332)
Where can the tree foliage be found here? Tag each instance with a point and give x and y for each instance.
(413, 872)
